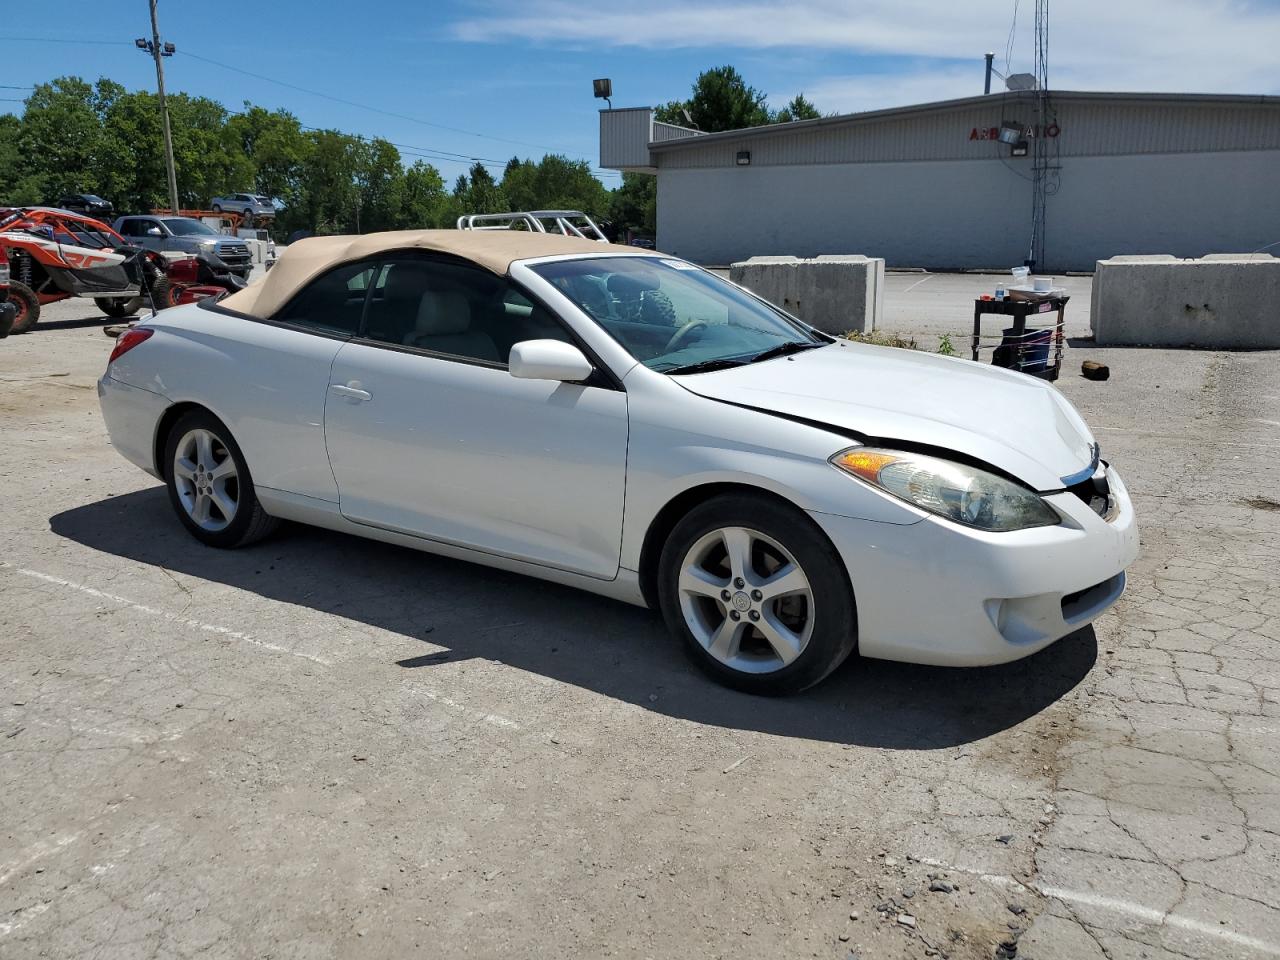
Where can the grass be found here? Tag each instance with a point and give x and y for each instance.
(881, 339)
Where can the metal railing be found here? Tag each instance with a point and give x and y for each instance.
(569, 223)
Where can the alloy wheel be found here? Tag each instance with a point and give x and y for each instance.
(746, 600)
(206, 480)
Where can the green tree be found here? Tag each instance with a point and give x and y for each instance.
(424, 202)
(634, 205)
(380, 183)
(19, 185)
(554, 183)
(721, 100)
(798, 109)
(329, 200)
(478, 192)
(275, 142)
(60, 138)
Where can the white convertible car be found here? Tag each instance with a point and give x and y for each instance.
(627, 423)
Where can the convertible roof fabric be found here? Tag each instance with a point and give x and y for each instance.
(494, 250)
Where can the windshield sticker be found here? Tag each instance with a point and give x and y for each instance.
(679, 264)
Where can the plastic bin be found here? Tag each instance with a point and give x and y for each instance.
(1035, 350)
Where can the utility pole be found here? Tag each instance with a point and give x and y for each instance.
(158, 50)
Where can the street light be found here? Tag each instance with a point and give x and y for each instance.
(158, 50)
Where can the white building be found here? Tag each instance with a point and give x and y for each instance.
(933, 185)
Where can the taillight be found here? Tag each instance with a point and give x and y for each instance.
(128, 340)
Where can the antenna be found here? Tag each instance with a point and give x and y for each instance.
(1041, 173)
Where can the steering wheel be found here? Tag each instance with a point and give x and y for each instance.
(683, 334)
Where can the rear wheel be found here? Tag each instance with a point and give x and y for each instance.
(758, 594)
(118, 307)
(159, 291)
(216, 208)
(24, 298)
(209, 484)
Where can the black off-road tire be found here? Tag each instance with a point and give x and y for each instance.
(834, 634)
(251, 522)
(118, 307)
(28, 306)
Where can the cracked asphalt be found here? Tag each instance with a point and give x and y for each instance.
(325, 747)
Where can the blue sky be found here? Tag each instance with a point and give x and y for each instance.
(519, 71)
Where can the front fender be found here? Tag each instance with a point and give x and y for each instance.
(680, 442)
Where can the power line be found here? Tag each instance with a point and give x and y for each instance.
(1013, 29)
(364, 106)
(444, 155)
(10, 86)
(126, 43)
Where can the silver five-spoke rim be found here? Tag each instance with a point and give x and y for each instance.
(746, 600)
(208, 485)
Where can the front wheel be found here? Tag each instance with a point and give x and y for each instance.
(209, 484)
(758, 593)
(28, 304)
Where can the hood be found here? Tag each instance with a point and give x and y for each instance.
(1012, 421)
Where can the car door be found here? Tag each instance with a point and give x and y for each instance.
(429, 434)
(140, 226)
(274, 398)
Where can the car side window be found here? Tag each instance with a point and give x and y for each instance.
(132, 228)
(333, 302)
(455, 310)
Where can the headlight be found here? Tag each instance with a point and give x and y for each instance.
(953, 490)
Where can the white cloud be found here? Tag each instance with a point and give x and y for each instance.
(1148, 45)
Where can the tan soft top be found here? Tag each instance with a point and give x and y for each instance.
(494, 250)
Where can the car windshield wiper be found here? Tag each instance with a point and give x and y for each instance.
(703, 366)
(782, 350)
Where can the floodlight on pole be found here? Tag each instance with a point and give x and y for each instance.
(603, 89)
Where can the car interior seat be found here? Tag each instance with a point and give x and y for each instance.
(443, 324)
(393, 317)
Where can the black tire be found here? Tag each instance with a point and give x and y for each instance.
(834, 633)
(160, 291)
(24, 298)
(216, 208)
(118, 307)
(250, 522)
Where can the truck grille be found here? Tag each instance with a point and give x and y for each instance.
(235, 254)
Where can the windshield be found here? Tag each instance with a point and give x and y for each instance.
(186, 227)
(91, 198)
(671, 315)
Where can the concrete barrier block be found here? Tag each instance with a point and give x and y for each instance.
(1219, 302)
(836, 294)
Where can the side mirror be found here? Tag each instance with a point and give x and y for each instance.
(548, 360)
(154, 232)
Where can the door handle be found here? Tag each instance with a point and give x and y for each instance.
(351, 391)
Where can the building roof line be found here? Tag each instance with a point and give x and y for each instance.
(781, 129)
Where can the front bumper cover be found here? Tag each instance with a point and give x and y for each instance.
(937, 593)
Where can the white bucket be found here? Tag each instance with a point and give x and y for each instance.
(1042, 284)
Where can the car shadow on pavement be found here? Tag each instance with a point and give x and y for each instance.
(574, 637)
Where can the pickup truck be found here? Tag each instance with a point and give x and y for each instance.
(186, 235)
